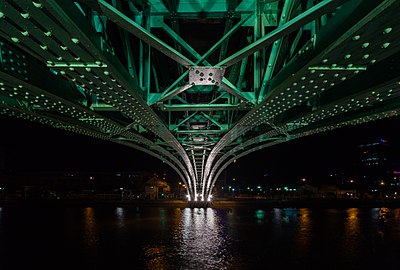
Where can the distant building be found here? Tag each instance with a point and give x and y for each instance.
(157, 189)
(72, 184)
(376, 164)
(328, 191)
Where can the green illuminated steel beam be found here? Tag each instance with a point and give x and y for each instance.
(287, 28)
(170, 90)
(224, 38)
(209, 118)
(227, 86)
(127, 49)
(201, 107)
(221, 95)
(295, 42)
(256, 55)
(231, 89)
(182, 42)
(172, 6)
(146, 67)
(181, 100)
(174, 92)
(138, 31)
(243, 65)
(184, 121)
(200, 131)
(276, 47)
(232, 5)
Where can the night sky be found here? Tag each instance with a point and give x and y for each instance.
(30, 146)
(33, 146)
(317, 156)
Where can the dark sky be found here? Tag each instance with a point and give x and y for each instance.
(315, 156)
(31, 146)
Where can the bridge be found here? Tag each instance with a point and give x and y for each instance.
(197, 83)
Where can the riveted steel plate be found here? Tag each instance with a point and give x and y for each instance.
(206, 75)
(12, 61)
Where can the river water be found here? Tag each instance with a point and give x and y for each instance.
(108, 237)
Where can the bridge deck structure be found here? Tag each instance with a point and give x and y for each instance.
(199, 83)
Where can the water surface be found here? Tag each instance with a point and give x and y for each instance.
(183, 238)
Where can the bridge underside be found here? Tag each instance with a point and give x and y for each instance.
(199, 83)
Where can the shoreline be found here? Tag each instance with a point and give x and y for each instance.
(257, 203)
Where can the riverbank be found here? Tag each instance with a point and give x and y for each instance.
(308, 203)
(257, 203)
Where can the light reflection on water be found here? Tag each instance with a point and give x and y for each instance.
(90, 227)
(198, 242)
(201, 241)
(227, 239)
(175, 238)
(120, 213)
(352, 235)
(304, 231)
(156, 257)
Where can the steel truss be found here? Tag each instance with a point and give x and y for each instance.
(199, 83)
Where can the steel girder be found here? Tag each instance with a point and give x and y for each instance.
(199, 83)
(304, 84)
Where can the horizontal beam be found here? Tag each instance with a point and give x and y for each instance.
(337, 68)
(200, 131)
(202, 107)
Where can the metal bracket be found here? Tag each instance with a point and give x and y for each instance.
(206, 75)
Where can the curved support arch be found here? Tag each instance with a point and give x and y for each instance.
(383, 113)
(180, 173)
(269, 135)
(212, 181)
